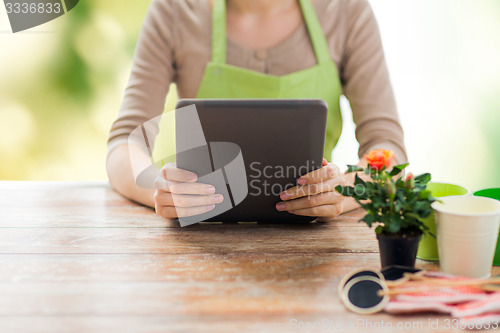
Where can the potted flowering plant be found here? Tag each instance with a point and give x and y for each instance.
(397, 205)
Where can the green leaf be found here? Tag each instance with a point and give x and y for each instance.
(379, 202)
(425, 213)
(359, 181)
(420, 206)
(400, 196)
(369, 219)
(424, 195)
(400, 183)
(397, 169)
(347, 191)
(413, 215)
(423, 178)
(393, 227)
(353, 168)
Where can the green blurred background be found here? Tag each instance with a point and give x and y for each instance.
(61, 86)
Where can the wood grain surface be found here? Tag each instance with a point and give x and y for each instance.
(77, 257)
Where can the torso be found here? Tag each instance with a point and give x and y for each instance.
(263, 30)
(291, 49)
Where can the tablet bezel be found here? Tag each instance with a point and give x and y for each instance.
(302, 121)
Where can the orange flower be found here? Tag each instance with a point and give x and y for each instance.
(380, 159)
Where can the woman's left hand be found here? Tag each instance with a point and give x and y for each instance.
(315, 195)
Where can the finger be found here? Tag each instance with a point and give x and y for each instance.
(312, 189)
(325, 162)
(320, 211)
(171, 172)
(161, 183)
(329, 171)
(328, 198)
(172, 212)
(191, 188)
(187, 200)
(182, 187)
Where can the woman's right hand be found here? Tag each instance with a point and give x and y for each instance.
(179, 195)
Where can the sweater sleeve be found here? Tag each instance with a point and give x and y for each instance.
(151, 74)
(366, 83)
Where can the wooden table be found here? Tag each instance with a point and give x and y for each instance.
(77, 257)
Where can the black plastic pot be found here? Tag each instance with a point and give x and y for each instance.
(398, 249)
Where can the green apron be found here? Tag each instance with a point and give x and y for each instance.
(221, 80)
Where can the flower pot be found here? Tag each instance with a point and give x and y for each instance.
(398, 249)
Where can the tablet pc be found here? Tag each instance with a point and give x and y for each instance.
(250, 150)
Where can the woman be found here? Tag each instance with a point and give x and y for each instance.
(258, 48)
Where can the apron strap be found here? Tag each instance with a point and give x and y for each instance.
(219, 32)
(316, 35)
(318, 39)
